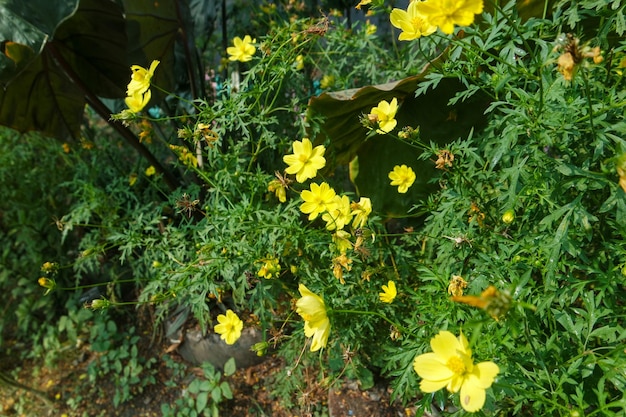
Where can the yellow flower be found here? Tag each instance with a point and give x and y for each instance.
(389, 292)
(138, 101)
(327, 81)
(412, 23)
(341, 215)
(312, 309)
(229, 327)
(361, 212)
(299, 62)
(403, 177)
(384, 114)
(243, 49)
(305, 160)
(318, 200)
(370, 28)
(450, 365)
(447, 13)
(49, 267)
(270, 268)
(140, 79)
(362, 3)
(150, 171)
(132, 179)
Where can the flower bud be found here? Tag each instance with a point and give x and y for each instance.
(508, 216)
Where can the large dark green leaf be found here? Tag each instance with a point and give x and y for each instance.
(25, 26)
(153, 28)
(86, 55)
(437, 121)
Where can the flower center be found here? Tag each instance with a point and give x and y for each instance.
(456, 365)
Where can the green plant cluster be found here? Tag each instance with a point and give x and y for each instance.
(515, 237)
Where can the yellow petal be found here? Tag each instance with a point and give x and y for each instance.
(430, 368)
(445, 345)
(485, 372)
(472, 395)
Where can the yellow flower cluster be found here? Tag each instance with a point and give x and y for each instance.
(423, 17)
(138, 90)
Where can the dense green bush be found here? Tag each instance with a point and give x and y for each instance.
(512, 235)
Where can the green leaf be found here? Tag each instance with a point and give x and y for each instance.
(25, 26)
(226, 391)
(152, 29)
(84, 55)
(201, 401)
(230, 367)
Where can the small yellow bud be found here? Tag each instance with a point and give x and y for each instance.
(508, 216)
(100, 304)
(47, 283)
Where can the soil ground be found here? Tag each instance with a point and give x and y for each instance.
(67, 392)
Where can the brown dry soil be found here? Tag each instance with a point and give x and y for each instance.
(67, 383)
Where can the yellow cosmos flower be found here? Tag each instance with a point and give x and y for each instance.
(403, 177)
(140, 79)
(243, 49)
(138, 101)
(319, 199)
(229, 327)
(341, 215)
(384, 114)
(270, 268)
(447, 13)
(361, 212)
(450, 365)
(312, 309)
(305, 160)
(150, 171)
(412, 23)
(389, 292)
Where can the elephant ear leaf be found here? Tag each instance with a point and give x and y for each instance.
(67, 51)
(25, 27)
(431, 112)
(153, 29)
